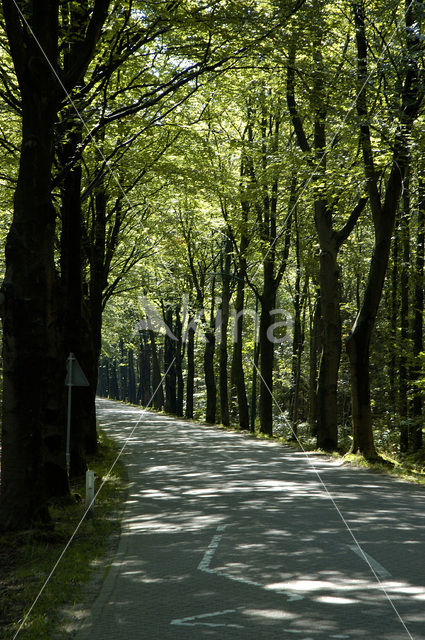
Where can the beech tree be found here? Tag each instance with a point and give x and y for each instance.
(29, 311)
(383, 207)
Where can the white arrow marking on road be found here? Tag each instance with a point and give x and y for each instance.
(378, 568)
(193, 620)
(204, 566)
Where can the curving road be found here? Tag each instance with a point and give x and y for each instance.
(228, 537)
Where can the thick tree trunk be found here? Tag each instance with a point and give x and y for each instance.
(358, 353)
(29, 349)
(383, 213)
(327, 407)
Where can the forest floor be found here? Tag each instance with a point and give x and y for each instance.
(27, 558)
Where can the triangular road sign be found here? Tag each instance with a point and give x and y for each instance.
(75, 376)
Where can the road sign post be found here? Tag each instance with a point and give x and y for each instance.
(74, 378)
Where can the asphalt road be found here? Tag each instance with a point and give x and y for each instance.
(228, 537)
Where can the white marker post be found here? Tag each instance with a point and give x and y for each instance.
(74, 378)
(68, 419)
(89, 493)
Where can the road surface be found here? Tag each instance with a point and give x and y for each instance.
(229, 537)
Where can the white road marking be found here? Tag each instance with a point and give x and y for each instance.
(205, 563)
(212, 548)
(378, 568)
(191, 621)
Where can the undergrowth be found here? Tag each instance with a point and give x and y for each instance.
(28, 558)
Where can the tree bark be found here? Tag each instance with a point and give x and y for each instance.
(132, 395)
(145, 388)
(315, 348)
(383, 213)
(157, 400)
(179, 350)
(210, 383)
(223, 331)
(327, 406)
(403, 375)
(268, 298)
(190, 379)
(170, 365)
(29, 350)
(237, 374)
(416, 439)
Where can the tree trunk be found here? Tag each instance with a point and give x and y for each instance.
(157, 400)
(179, 350)
(256, 362)
(170, 366)
(224, 325)
(190, 380)
(416, 441)
(132, 396)
(123, 373)
(297, 342)
(393, 351)
(266, 351)
(358, 353)
(315, 348)
(114, 389)
(29, 350)
(327, 407)
(74, 337)
(145, 388)
(210, 384)
(108, 378)
(404, 320)
(383, 213)
(237, 374)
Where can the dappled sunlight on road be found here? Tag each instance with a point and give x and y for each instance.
(227, 537)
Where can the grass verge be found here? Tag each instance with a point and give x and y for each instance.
(27, 558)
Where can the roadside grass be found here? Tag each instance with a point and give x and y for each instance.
(407, 467)
(27, 558)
